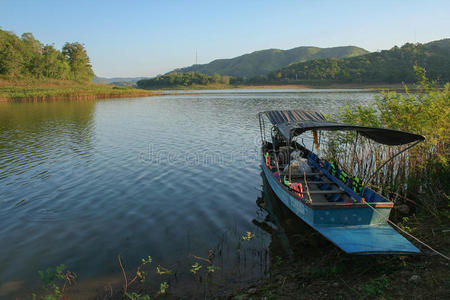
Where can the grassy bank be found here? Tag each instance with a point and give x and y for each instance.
(51, 89)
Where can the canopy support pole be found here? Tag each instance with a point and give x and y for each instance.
(380, 167)
(289, 157)
(275, 155)
(260, 129)
(354, 151)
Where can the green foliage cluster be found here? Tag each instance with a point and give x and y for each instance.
(265, 61)
(424, 168)
(181, 80)
(27, 57)
(389, 66)
(375, 287)
(55, 281)
(142, 275)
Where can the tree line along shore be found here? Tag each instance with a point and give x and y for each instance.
(31, 71)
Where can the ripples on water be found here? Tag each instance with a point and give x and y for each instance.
(164, 176)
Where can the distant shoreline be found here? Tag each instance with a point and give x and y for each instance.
(18, 90)
(365, 86)
(54, 90)
(328, 86)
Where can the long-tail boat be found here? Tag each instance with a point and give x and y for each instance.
(350, 215)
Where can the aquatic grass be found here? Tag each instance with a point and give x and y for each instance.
(163, 288)
(248, 236)
(140, 273)
(195, 268)
(137, 296)
(163, 271)
(55, 282)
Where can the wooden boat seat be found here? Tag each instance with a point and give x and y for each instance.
(301, 175)
(318, 182)
(326, 192)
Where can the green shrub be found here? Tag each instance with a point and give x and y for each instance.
(424, 168)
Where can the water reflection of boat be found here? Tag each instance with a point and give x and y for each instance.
(288, 232)
(351, 216)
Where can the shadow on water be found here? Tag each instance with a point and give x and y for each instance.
(291, 238)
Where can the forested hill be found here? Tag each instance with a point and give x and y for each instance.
(26, 57)
(265, 61)
(390, 66)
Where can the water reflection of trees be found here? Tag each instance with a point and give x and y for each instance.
(32, 133)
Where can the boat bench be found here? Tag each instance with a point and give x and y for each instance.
(327, 192)
(300, 175)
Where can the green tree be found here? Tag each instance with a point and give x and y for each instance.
(27, 57)
(78, 60)
(11, 58)
(54, 64)
(31, 50)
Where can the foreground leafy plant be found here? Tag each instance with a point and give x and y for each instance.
(248, 236)
(140, 273)
(163, 271)
(55, 282)
(375, 287)
(136, 296)
(195, 268)
(163, 287)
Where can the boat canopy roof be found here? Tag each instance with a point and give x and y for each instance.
(294, 122)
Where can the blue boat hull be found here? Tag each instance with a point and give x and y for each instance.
(359, 229)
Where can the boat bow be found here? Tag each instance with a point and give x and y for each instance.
(367, 239)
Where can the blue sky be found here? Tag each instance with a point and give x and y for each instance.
(146, 38)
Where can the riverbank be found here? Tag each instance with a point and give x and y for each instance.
(50, 89)
(304, 265)
(328, 273)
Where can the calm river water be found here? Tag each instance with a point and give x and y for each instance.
(168, 176)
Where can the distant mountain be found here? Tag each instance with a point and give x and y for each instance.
(265, 61)
(131, 80)
(391, 66)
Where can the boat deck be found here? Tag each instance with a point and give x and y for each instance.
(317, 187)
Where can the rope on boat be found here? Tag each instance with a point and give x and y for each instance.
(408, 234)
